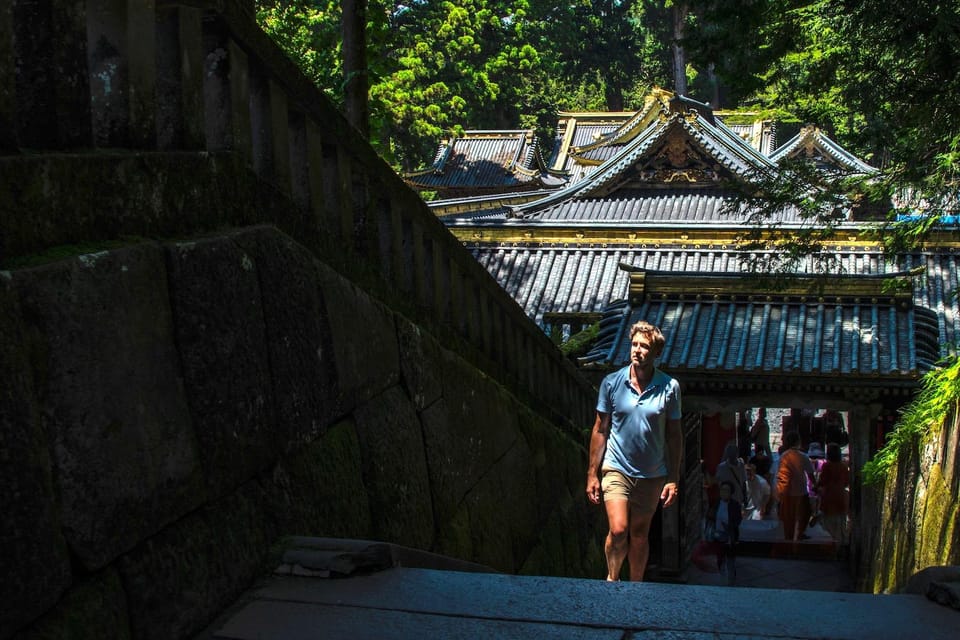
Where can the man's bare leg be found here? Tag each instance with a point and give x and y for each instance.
(639, 548)
(618, 515)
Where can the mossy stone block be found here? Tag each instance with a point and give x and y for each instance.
(178, 581)
(220, 329)
(364, 337)
(95, 609)
(298, 336)
(124, 454)
(319, 491)
(466, 432)
(419, 364)
(33, 553)
(395, 470)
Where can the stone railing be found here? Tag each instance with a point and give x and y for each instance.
(179, 100)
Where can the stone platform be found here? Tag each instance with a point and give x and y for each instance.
(429, 603)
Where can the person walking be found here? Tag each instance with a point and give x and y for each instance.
(721, 534)
(793, 473)
(760, 433)
(731, 469)
(635, 449)
(744, 441)
(758, 494)
(834, 496)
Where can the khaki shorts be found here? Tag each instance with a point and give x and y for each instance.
(643, 494)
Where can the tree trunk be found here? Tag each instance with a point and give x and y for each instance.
(614, 97)
(355, 76)
(680, 11)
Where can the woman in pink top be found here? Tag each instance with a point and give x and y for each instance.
(834, 497)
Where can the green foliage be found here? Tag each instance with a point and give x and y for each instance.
(919, 420)
(466, 64)
(617, 45)
(309, 32)
(579, 343)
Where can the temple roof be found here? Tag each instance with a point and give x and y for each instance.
(812, 144)
(655, 229)
(485, 162)
(720, 322)
(567, 279)
(675, 170)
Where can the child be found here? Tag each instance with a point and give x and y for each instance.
(722, 531)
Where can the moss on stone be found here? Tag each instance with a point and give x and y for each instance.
(938, 522)
(65, 251)
(319, 491)
(93, 610)
(453, 536)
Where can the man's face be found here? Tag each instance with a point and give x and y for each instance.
(641, 351)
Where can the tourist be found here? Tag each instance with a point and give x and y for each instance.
(793, 473)
(744, 443)
(816, 454)
(731, 469)
(721, 533)
(760, 433)
(635, 449)
(834, 429)
(758, 495)
(834, 495)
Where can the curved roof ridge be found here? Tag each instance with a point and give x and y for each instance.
(812, 136)
(634, 125)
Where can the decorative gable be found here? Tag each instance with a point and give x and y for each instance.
(678, 160)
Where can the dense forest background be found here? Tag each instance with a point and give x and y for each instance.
(879, 77)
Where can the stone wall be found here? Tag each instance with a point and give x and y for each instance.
(913, 521)
(168, 411)
(173, 118)
(225, 320)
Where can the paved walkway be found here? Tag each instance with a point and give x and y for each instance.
(767, 561)
(404, 602)
(776, 573)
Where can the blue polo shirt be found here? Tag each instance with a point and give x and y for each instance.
(637, 442)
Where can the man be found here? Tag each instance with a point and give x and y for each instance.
(758, 494)
(793, 474)
(760, 433)
(635, 450)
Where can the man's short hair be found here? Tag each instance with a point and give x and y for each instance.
(652, 332)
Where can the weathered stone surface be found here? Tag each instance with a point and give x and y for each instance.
(364, 341)
(319, 490)
(218, 315)
(49, 200)
(124, 455)
(33, 553)
(920, 581)
(8, 98)
(298, 337)
(465, 433)
(419, 360)
(945, 593)
(95, 609)
(179, 580)
(53, 88)
(503, 512)
(395, 470)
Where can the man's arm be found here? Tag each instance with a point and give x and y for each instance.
(598, 446)
(674, 442)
